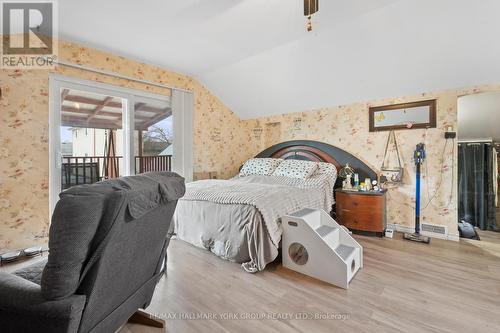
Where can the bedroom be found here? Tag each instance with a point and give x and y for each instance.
(210, 99)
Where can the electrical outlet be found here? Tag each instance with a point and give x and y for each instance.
(450, 135)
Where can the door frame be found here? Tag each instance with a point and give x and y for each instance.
(129, 96)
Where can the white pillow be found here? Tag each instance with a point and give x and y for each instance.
(295, 169)
(326, 170)
(324, 167)
(260, 166)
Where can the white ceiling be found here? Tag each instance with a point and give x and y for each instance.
(256, 56)
(479, 116)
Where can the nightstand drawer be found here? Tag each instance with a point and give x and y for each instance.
(351, 202)
(360, 202)
(360, 220)
(361, 211)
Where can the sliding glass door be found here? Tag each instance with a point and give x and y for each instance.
(153, 135)
(91, 136)
(99, 131)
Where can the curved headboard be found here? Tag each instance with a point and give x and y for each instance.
(319, 152)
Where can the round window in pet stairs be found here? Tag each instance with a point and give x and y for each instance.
(298, 253)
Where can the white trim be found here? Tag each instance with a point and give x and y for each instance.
(116, 75)
(400, 228)
(128, 110)
(54, 152)
(487, 140)
(123, 91)
(182, 111)
(406, 229)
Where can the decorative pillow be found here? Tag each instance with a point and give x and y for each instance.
(260, 166)
(324, 167)
(295, 169)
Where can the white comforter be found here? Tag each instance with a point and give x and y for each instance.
(272, 196)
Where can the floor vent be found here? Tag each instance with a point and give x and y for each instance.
(434, 229)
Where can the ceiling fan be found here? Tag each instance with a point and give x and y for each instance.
(310, 7)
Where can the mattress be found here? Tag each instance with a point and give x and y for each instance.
(239, 219)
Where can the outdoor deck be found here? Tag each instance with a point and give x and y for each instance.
(78, 170)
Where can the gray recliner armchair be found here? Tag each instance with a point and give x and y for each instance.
(107, 246)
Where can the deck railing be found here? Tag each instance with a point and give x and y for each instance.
(78, 170)
(153, 163)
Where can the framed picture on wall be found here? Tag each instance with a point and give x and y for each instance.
(420, 114)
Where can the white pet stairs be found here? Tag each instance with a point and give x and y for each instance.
(315, 245)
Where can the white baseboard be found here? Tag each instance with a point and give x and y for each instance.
(404, 228)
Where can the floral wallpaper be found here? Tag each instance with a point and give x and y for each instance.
(23, 158)
(222, 141)
(347, 128)
(219, 142)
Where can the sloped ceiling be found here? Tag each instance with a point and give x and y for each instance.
(256, 56)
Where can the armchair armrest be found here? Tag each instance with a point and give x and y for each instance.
(22, 308)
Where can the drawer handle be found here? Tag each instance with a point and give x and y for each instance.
(346, 210)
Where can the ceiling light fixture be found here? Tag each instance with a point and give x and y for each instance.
(310, 7)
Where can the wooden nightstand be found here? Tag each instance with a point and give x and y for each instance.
(361, 212)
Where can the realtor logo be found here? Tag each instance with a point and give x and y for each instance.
(28, 39)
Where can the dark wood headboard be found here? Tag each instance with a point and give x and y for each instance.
(319, 152)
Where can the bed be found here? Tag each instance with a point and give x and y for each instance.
(239, 219)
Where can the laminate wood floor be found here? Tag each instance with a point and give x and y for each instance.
(490, 242)
(404, 287)
(489, 236)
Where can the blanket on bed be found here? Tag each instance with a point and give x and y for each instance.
(273, 197)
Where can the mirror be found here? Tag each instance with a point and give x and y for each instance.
(403, 116)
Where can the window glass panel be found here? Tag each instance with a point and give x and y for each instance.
(153, 135)
(91, 137)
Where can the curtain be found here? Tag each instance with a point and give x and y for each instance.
(476, 196)
(495, 175)
(183, 113)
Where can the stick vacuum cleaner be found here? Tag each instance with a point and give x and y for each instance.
(419, 156)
